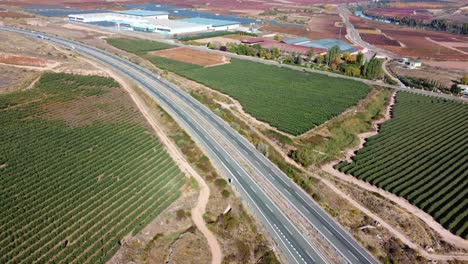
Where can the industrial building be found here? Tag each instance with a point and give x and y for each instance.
(154, 21)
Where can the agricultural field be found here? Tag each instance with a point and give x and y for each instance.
(79, 170)
(379, 39)
(139, 46)
(289, 100)
(197, 57)
(421, 155)
(418, 43)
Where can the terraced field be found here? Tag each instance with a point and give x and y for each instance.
(289, 100)
(421, 154)
(79, 170)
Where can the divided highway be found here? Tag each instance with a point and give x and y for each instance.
(228, 150)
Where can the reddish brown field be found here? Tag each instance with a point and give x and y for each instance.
(321, 26)
(9, 14)
(414, 40)
(379, 39)
(201, 58)
(22, 60)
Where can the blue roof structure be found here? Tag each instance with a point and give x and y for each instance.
(137, 12)
(209, 21)
(296, 40)
(328, 43)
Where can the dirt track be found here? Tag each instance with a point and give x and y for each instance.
(199, 210)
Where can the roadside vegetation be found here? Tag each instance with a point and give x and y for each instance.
(289, 100)
(236, 231)
(327, 142)
(79, 171)
(420, 154)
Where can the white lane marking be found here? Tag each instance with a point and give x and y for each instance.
(268, 207)
(353, 255)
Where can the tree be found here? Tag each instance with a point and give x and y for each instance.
(455, 89)
(464, 79)
(373, 69)
(311, 53)
(332, 54)
(275, 52)
(319, 59)
(360, 58)
(347, 57)
(277, 37)
(352, 70)
(297, 59)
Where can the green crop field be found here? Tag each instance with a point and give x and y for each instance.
(421, 154)
(137, 46)
(79, 170)
(289, 100)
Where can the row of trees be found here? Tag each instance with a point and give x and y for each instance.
(436, 24)
(335, 60)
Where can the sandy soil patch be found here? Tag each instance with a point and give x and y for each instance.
(201, 58)
(88, 29)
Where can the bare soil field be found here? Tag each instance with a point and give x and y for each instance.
(9, 58)
(318, 27)
(201, 58)
(433, 70)
(14, 78)
(461, 65)
(221, 40)
(414, 41)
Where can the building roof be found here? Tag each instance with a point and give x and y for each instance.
(269, 44)
(328, 43)
(296, 40)
(138, 12)
(209, 21)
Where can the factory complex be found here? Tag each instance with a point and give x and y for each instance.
(154, 21)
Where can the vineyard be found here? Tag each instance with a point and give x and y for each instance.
(137, 46)
(289, 100)
(421, 154)
(72, 186)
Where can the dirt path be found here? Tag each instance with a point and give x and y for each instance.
(199, 210)
(445, 46)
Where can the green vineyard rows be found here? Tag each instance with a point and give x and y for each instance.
(421, 154)
(71, 187)
(137, 46)
(289, 100)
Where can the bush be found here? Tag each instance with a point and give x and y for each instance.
(225, 193)
(221, 183)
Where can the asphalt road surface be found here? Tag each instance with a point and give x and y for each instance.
(228, 150)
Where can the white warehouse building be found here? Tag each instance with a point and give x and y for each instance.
(155, 21)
